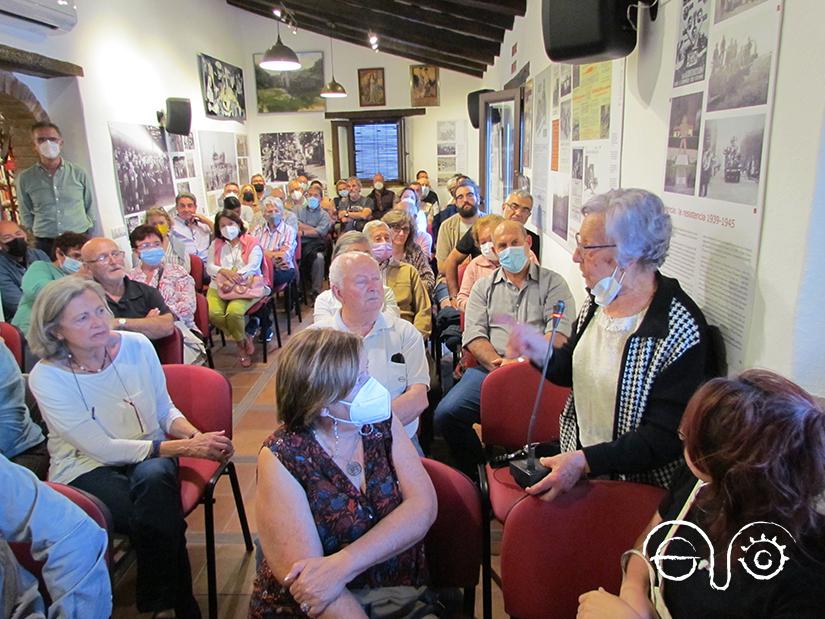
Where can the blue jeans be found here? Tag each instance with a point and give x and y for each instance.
(454, 419)
(144, 500)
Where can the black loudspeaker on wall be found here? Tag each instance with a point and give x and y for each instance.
(473, 108)
(178, 116)
(583, 31)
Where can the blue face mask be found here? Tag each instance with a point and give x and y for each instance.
(513, 259)
(70, 265)
(313, 202)
(152, 257)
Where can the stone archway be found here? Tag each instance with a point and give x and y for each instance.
(19, 109)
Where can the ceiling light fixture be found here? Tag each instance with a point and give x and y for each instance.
(373, 38)
(279, 57)
(333, 90)
(278, 11)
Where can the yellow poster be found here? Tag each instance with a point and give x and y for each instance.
(591, 101)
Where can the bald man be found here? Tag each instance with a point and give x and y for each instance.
(15, 258)
(136, 306)
(518, 290)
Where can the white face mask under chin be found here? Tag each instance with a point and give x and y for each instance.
(607, 288)
(372, 404)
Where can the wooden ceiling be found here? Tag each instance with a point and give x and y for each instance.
(462, 35)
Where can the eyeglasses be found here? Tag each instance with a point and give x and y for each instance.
(149, 245)
(117, 255)
(398, 229)
(583, 247)
(41, 140)
(513, 206)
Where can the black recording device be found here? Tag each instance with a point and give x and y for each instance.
(527, 471)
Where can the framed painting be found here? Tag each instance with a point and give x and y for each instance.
(291, 91)
(424, 87)
(371, 89)
(222, 89)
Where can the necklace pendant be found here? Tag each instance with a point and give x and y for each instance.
(353, 468)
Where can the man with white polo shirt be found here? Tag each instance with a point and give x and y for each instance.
(394, 347)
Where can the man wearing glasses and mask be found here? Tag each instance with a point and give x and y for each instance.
(55, 194)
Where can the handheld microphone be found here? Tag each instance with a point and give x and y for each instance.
(526, 471)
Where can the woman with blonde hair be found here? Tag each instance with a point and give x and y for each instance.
(249, 198)
(343, 501)
(174, 251)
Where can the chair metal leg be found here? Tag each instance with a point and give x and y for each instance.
(209, 529)
(288, 308)
(298, 304)
(209, 361)
(486, 564)
(275, 321)
(236, 492)
(469, 601)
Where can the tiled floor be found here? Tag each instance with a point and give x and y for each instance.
(253, 394)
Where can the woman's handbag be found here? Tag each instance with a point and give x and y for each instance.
(655, 594)
(252, 288)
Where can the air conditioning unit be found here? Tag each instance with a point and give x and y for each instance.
(43, 16)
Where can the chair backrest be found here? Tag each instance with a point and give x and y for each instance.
(462, 268)
(457, 526)
(201, 314)
(170, 348)
(507, 396)
(196, 270)
(203, 395)
(553, 552)
(16, 343)
(297, 257)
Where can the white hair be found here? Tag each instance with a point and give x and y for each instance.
(270, 199)
(636, 221)
(372, 225)
(341, 265)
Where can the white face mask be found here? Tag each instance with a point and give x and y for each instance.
(425, 189)
(607, 288)
(296, 195)
(487, 251)
(370, 405)
(49, 149)
(378, 186)
(230, 233)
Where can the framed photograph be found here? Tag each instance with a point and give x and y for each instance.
(222, 89)
(291, 91)
(371, 87)
(220, 165)
(287, 155)
(424, 88)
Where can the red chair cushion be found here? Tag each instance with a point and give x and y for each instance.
(504, 492)
(195, 474)
(14, 341)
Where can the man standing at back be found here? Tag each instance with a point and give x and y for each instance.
(55, 194)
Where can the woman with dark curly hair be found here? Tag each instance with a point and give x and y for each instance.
(750, 510)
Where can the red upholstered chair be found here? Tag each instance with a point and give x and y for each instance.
(266, 271)
(202, 323)
(205, 398)
(90, 504)
(291, 295)
(16, 343)
(507, 396)
(170, 348)
(197, 270)
(551, 553)
(453, 544)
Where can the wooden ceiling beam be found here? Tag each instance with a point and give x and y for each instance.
(30, 63)
(397, 28)
(429, 17)
(505, 7)
(453, 8)
(466, 66)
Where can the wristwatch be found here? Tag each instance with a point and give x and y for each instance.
(121, 323)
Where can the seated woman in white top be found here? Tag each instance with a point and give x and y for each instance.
(103, 396)
(236, 256)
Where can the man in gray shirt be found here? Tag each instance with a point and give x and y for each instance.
(55, 194)
(314, 225)
(355, 210)
(518, 291)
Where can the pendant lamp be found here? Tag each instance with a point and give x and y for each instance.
(333, 90)
(279, 57)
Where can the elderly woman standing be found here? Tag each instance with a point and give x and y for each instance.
(638, 350)
(343, 501)
(103, 395)
(173, 248)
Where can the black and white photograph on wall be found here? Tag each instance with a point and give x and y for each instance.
(565, 130)
(578, 163)
(446, 149)
(190, 163)
(183, 186)
(243, 170)
(554, 88)
(566, 83)
(561, 205)
(541, 108)
(729, 8)
(446, 132)
(222, 89)
(179, 165)
(740, 63)
(527, 135)
(212, 202)
(180, 142)
(291, 91)
(732, 159)
(142, 169)
(240, 145)
(576, 76)
(424, 87)
(446, 164)
(285, 156)
(133, 222)
(683, 143)
(218, 158)
(692, 49)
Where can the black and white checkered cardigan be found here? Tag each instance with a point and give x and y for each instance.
(672, 339)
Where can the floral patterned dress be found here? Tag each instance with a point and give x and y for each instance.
(342, 514)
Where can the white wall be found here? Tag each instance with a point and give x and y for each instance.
(791, 244)
(136, 54)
